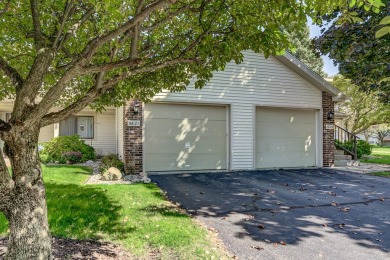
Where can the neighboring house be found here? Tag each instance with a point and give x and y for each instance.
(386, 141)
(371, 140)
(97, 130)
(262, 113)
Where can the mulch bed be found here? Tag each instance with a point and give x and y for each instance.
(75, 249)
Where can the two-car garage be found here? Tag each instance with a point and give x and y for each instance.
(181, 137)
(262, 113)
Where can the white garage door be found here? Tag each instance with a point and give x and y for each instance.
(185, 137)
(285, 138)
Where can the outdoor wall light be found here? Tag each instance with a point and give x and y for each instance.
(136, 109)
(330, 115)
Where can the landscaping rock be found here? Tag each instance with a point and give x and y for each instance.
(126, 179)
(112, 174)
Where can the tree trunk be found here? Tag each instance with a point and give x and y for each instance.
(26, 210)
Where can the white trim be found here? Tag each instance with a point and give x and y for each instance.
(320, 138)
(228, 143)
(254, 106)
(143, 135)
(116, 131)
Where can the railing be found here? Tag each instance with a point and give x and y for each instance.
(341, 137)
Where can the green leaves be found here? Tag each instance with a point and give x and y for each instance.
(382, 32)
(361, 49)
(204, 34)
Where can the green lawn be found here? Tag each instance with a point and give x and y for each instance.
(381, 155)
(136, 216)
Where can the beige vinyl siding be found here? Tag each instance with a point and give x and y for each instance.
(120, 129)
(255, 82)
(46, 134)
(104, 140)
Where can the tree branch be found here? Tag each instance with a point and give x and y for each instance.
(100, 88)
(38, 37)
(6, 7)
(76, 26)
(109, 66)
(86, 55)
(135, 34)
(32, 84)
(11, 73)
(169, 17)
(123, 76)
(96, 43)
(67, 11)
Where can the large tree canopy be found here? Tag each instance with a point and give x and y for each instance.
(72, 54)
(305, 51)
(362, 109)
(361, 56)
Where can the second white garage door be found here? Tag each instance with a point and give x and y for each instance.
(285, 138)
(185, 137)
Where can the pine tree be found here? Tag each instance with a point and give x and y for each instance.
(305, 51)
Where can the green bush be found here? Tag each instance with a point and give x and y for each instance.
(363, 147)
(54, 149)
(111, 160)
(72, 157)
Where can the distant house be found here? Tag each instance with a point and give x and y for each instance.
(263, 113)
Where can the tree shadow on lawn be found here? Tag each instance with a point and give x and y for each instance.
(83, 212)
(289, 206)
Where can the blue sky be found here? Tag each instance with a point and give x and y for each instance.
(329, 68)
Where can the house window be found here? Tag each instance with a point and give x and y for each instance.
(80, 125)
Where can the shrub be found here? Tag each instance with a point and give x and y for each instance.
(363, 147)
(111, 160)
(55, 148)
(73, 157)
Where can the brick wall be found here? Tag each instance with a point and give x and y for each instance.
(132, 138)
(328, 135)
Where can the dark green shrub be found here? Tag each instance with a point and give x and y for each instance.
(111, 160)
(55, 148)
(363, 147)
(72, 157)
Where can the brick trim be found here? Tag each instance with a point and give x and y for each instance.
(132, 138)
(328, 134)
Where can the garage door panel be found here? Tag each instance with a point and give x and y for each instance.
(183, 128)
(266, 160)
(177, 111)
(185, 161)
(203, 145)
(185, 137)
(285, 138)
(287, 115)
(270, 129)
(274, 144)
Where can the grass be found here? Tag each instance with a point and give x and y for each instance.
(135, 216)
(381, 155)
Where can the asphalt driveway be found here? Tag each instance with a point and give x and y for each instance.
(289, 214)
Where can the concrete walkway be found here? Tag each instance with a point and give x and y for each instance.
(365, 168)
